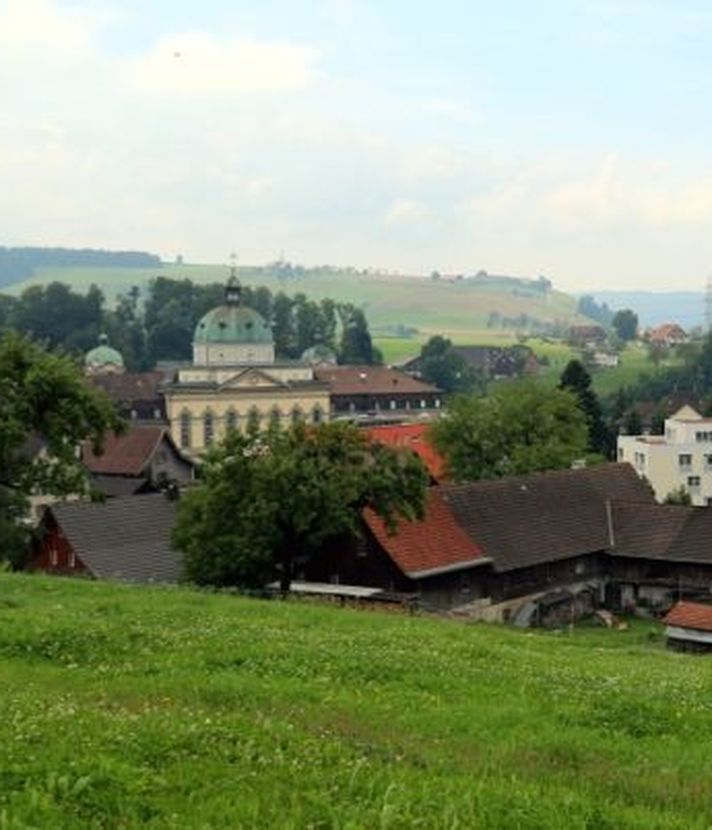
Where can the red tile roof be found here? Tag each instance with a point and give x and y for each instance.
(437, 543)
(414, 437)
(668, 330)
(690, 615)
(370, 380)
(127, 454)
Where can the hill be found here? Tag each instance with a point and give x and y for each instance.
(656, 307)
(393, 303)
(126, 708)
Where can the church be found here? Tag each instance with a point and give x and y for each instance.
(235, 380)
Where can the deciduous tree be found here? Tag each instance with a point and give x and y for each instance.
(269, 500)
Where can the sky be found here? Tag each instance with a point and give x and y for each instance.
(569, 139)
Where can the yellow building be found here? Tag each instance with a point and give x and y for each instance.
(235, 380)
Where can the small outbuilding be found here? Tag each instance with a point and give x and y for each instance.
(688, 627)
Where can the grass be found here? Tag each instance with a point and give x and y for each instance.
(165, 708)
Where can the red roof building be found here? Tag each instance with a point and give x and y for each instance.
(669, 334)
(689, 627)
(413, 437)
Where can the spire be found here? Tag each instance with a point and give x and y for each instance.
(233, 289)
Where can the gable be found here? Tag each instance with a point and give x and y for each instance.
(252, 378)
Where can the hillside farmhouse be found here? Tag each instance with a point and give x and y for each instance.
(551, 540)
(669, 334)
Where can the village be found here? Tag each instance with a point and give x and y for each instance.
(542, 549)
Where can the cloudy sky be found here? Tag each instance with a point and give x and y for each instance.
(570, 139)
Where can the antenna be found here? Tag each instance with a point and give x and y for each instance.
(233, 265)
(708, 304)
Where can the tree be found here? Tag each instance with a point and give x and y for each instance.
(625, 324)
(632, 423)
(520, 428)
(576, 379)
(680, 495)
(657, 352)
(269, 500)
(356, 344)
(446, 368)
(43, 400)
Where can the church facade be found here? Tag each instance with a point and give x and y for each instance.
(235, 380)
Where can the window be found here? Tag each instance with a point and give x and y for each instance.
(437, 403)
(708, 501)
(394, 405)
(53, 557)
(693, 481)
(703, 436)
(231, 420)
(134, 414)
(275, 417)
(72, 559)
(639, 461)
(208, 429)
(620, 453)
(317, 415)
(297, 416)
(423, 404)
(708, 459)
(684, 460)
(253, 419)
(185, 429)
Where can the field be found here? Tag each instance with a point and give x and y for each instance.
(165, 708)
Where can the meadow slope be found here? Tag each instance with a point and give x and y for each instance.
(166, 708)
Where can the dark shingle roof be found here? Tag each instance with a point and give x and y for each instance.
(370, 380)
(660, 531)
(531, 519)
(125, 538)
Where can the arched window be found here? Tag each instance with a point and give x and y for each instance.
(317, 414)
(231, 420)
(185, 429)
(208, 429)
(297, 415)
(253, 419)
(275, 417)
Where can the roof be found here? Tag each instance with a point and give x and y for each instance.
(103, 354)
(648, 530)
(690, 615)
(131, 386)
(126, 538)
(434, 545)
(526, 520)
(118, 485)
(413, 437)
(128, 454)
(232, 323)
(371, 380)
(667, 330)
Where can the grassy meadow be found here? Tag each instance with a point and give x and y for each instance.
(165, 708)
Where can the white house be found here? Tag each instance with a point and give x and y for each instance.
(682, 457)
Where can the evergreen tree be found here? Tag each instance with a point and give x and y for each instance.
(576, 379)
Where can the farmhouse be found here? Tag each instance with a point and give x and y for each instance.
(688, 627)
(125, 538)
(143, 458)
(669, 334)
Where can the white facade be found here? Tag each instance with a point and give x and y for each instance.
(232, 354)
(680, 458)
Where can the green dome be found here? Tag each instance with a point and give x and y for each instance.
(103, 355)
(318, 353)
(232, 323)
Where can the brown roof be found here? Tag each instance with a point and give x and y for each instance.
(125, 538)
(128, 454)
(130, 386)
(527, 520)
(690, 615)
(662, 531)
(433, 545)
(370, 380)
(667, 330)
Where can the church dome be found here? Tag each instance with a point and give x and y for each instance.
(103, 357)
(232, 322)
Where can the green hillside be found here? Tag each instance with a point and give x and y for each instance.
(458, 309)
(127, 708)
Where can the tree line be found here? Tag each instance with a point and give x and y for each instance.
(17, 264)
(160, 326)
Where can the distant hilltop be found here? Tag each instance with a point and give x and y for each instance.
(17, 264)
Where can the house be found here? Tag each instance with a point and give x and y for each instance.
(688, 627)
(413, 437)
(669, 334)
(492, 545)
(236, 380)
(490, 361)
(681, 458)
(125, 538)
(136, 395)
(378, 393)
(604, 359)
(143, 458)
(653, 413)
(590, 336)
